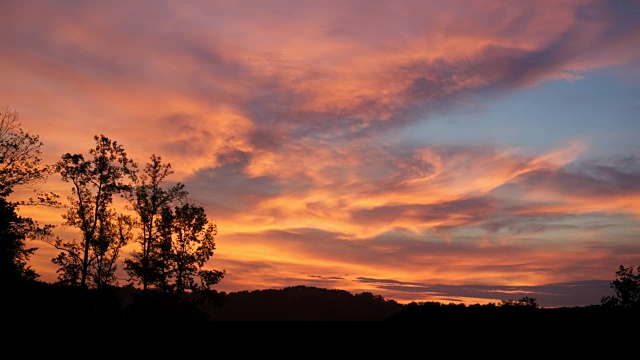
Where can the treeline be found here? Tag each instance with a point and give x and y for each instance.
(622, 307)
(129, 305)
(513, 315)
(303, 303)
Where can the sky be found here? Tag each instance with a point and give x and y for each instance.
(452, 151)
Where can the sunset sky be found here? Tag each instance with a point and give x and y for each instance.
(453, 151)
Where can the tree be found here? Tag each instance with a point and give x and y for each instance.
(114, 232)
(524, 302)
(187, 243)
(20, 165)
(95, 182)
(20, 154)
(626, 287)
(14, 253)
(147, 198)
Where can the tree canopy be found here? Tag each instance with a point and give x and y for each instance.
(147, 197)
(20, 154)
(626, 287)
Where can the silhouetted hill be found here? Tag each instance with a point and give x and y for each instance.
(40, 303)
(302, 303)
(49, 303)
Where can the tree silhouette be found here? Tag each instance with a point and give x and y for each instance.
(20, 165)
(14, 254)
(526, 302)
(187, 243)
(626, 287)
(147, 198)
(20, 154)
(114, 232)
(95, 182)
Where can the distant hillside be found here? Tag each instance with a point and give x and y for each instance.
(41, 303)
(48, 303)
(456, 314)
(304, 303)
